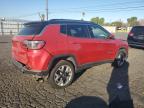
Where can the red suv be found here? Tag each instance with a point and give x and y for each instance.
(60, 48)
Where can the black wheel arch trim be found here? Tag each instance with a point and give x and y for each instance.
(121, 48)
(68, 57)
(72, 58)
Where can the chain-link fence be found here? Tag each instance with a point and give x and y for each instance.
(10, 27)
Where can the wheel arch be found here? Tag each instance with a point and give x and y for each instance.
(125, 49)
(120, 49)
(56, 59)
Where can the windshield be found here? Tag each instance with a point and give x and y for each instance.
(31, 29)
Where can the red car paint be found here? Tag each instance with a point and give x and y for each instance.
(85, 50)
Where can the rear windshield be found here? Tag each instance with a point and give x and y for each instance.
(31, 29)
(138, 30)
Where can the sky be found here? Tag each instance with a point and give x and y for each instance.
(111, 10)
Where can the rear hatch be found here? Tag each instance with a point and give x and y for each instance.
(28, 32)
(138, 34)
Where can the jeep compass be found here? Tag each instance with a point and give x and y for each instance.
(60, 48)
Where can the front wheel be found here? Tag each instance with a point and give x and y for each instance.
(62, 74)
(120, 59)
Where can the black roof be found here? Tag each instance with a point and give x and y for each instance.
(60, 21)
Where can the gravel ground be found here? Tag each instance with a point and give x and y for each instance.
(94, 88)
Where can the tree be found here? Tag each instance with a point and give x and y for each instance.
(98, 20)
(101, 21)
(117, 23)
(42, 16)
(132, 21)
(107, 24)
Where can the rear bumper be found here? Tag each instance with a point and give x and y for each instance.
(137, 44)
(23, 69)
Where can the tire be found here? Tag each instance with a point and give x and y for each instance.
(62, 74)
(121, 58)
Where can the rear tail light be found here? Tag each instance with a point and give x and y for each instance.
(34, 45)
(131, 34)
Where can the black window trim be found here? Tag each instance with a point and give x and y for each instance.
(87, 27)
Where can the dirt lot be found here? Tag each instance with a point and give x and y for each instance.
(93, 88)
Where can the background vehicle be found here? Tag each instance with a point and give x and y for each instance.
(62, 47)
(136, 36)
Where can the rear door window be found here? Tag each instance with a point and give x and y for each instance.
(80, 31)
(138, 30)
(31, 29)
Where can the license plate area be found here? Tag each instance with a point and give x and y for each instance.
(139, 37)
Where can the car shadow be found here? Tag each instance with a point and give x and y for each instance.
(87, 102)
(78, 74)
(117, 89)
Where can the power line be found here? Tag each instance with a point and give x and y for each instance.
(100, 10)
(110, 4)
(129, 10)
(28, 15)
(108, 9)
(105, 9)
(126, 10)
(132, 7)
(89, 11)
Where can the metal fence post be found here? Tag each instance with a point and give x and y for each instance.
(18, 27)
(0, 27)
(2, 32)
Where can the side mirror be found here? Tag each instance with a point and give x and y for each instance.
(112, 36)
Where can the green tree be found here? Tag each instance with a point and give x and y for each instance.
(132, 21)
(107, 24)
(117, 23)
(98, 20)
(101, 21)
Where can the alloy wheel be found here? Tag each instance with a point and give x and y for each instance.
(63, 75)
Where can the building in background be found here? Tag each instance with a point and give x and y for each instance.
(10, 26)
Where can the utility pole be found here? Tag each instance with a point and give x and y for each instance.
(47, 9)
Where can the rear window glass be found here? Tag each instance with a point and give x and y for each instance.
(31, 29)
(138, 30)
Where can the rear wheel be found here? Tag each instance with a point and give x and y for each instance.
(62, 74)
(120, 59)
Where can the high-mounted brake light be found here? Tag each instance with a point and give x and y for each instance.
(34, 45)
